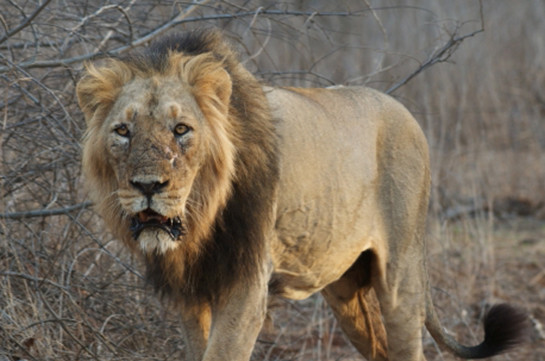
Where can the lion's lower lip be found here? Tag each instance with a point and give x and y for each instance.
(150, 219)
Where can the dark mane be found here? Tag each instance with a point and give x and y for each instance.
(155, 57)
(237, 248)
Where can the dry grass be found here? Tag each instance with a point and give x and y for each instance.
(70, 292)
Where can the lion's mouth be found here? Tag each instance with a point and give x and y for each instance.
(150, 219)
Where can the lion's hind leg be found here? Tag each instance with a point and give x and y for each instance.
(401, 288)
(356, 307)
(402, 307)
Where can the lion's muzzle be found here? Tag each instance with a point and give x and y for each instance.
(150, 219)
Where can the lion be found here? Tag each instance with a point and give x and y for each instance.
(234, 191)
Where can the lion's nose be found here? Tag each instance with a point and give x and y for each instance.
(149, 188)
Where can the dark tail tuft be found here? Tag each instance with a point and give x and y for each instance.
(505, 327)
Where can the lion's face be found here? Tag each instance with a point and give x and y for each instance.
(157, 153)
(155, 146)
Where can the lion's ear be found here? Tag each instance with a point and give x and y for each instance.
(100, 86)
(210, 82)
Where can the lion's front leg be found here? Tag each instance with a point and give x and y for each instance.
(236, 323)
(196, 322)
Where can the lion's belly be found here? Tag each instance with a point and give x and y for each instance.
(311, 252)
(326, 211)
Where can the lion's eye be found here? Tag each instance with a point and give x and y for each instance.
(122, 130)
(181, 129)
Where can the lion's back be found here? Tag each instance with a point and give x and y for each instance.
(332, 141)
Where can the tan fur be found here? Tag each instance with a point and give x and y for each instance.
(282, 191)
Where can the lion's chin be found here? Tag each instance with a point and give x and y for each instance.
(156, 240)
(156, 233)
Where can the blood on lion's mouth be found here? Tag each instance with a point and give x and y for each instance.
(150, 219)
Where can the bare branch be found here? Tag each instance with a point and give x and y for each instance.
(46, 212)
(440, 55)
(33, 279)
(181, 18)
(85, 19)
(25, 23)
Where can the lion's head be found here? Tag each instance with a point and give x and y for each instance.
(179, 139)
(158, 152)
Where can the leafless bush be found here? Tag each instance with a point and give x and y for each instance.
(67, 292)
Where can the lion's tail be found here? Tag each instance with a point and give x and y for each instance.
(504, 328)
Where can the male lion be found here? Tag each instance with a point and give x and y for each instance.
(233, 191)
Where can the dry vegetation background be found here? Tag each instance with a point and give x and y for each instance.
(69, 292)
